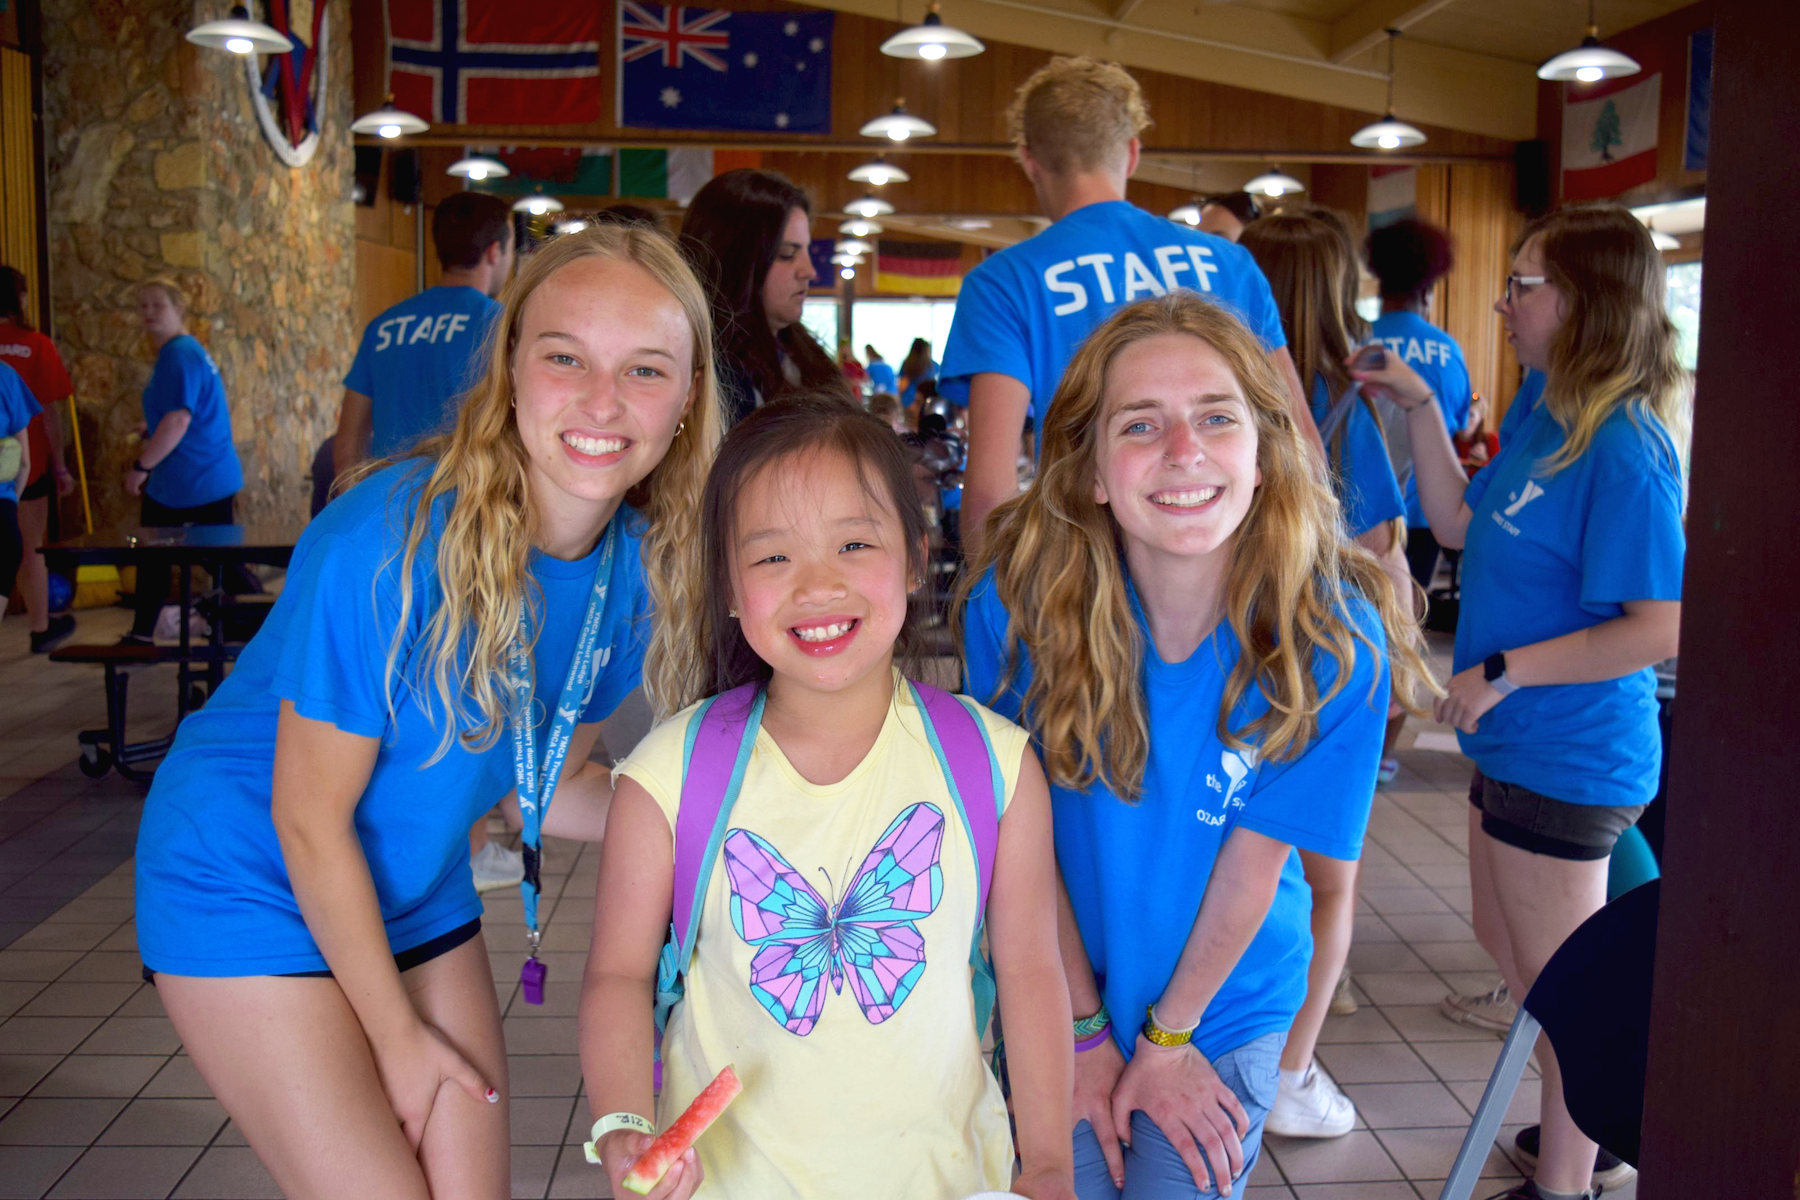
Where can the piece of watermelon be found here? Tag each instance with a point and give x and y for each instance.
(674, 1141)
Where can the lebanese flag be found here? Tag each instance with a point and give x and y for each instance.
(1609, 136)
(918, 268)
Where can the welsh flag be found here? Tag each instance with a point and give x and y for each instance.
(1609, 136)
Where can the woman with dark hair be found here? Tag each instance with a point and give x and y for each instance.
(916, 369)
(34, 357)
(1571, 592)
(747, 234)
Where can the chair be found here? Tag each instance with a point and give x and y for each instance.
(1593, 999)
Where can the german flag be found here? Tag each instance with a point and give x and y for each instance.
(918, 268)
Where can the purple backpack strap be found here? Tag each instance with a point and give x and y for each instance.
(713, 743)
(969, 758)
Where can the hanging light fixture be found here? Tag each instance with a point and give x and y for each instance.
(847, 272)
(852, 246)
(240, 35)
(898, 125)
(860, 228)
(1274, 182)
(1661, 240)
(932, 40)
(1387, 133)
(537, 204)
(878, 171)
(848, 260)
(1589, 62)
(1187, 214)
(869, 206)
(388, 121)
(478, 167)
(572, 225)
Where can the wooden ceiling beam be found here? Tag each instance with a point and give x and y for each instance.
(1365, 27)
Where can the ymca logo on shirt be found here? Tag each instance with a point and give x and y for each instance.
(393, 331)
(1238, 767)
(1531, 491)
(1113, 276)
(602, 656)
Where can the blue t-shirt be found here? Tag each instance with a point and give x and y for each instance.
(882, 378)
(1437, 358)
(1136, 872)
(416, 360)
(203, 467)
(1548, 555)
(912, 386)
(1524, 403)
(17, 407)
(213, 895)
(1026, 310)
(1361, 473)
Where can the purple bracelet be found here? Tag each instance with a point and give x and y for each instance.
(1097, 1039)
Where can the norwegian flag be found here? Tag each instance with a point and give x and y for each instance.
(491, 62)
(673, 34)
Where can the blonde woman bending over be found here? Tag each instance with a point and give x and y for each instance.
(1203, 661)
(458, 619)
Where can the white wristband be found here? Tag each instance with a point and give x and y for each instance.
(1503, 685)
(609, 1123)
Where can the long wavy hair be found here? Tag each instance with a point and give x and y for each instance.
(1617, 347)
(481, 468)
(1060, 571)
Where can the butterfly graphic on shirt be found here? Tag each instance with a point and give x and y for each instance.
(871, 936)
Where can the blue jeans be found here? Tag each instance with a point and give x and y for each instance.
(1153, 1168)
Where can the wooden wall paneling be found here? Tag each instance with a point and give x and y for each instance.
(384, 277)
(1482, 225)
(20, 221)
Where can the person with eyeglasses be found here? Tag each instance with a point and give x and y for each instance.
(1571, 590)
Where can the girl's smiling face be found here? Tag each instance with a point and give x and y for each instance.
(820, 572)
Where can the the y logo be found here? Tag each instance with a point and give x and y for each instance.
(1520, 499)
(1238, 766)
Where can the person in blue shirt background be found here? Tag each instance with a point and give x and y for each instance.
(1571, 589)
(917, 367)
(881, 375)
(1022, 312)
(1408, 258)
(418, 358)
(17, 407)
(187, 470)
(301, 862)
(1181, 779)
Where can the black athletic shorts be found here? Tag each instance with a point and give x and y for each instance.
(12, 546)
(406, 960)
(1542, 824)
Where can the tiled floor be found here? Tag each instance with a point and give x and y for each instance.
(97, 1100)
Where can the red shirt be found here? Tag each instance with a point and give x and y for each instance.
(34, 357)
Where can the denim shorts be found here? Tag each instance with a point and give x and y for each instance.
(1153, 1167)
(1544, 825)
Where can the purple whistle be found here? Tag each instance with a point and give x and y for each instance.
(531, 980)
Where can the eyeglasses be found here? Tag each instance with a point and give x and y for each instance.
(1513, 281)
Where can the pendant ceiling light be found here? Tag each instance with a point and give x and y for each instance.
(1274, 182)
(1589, 62)
(932, 40)
(479, 167)
(847, 272)
(572, 225)
(388, 121)
(1187, 214)
(860, 228)
(852, 246)
(537, 204)
(878, 171)
(869, 206)
(240, 35)
(1388, 133)
(848, 260)
(898, 125)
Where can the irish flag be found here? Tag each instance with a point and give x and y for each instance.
(1609, 136)
(918, 268)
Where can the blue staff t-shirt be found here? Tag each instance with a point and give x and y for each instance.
(1524, 403)
(882, 378)
(1136, 872)
(1548, 555)
(17, 407)
(416, 360)
(203, 467)
(912, 386)
(213, 894)
(1026, 310)
(1361, 473)
(1437, 358)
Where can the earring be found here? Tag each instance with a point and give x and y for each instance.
(732, 613)
(679, 428)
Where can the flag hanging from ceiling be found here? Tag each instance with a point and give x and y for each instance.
(490, 62)
(1393, 194)
(918, 268)
(700, 68)
(1609, 136)
(1699, 105)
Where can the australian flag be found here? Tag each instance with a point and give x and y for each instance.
(711, 68)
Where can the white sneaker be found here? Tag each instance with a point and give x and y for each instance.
(496, 867)
(1314, 1109)
(1493, 1010)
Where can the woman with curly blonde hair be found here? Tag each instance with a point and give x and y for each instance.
(1203, 661)
(304, 897)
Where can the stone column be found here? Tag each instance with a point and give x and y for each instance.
(157, 166)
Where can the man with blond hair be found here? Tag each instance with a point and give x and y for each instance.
(1022, 313)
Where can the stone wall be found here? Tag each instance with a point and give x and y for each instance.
(157, 166)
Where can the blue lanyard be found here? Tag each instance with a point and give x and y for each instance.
(535, 790)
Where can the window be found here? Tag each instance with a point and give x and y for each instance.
(891, 325)
(821, 320)
(1684, 309)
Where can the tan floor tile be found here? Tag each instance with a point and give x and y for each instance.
(1455, 1061)
(161, 1122)
(1523, 1109)
(544, 1074)
(15, 995)
(540, 1120)
(30, 1170)
(1380, 957)
(1427, 1023)
(1370, 927)
(63, 999)
(179, 1079)
(532, 1169)
(1429, 1153)
(1265, 1172)
(578, 1179)
(1400, 901)
(99, 1075)
(105, 966)
(1430, 927)
(1356, 1191)
(123, 938)
(34, 1122)
(539, 1035)
(1354, 1158)
(132, 1035)
(113, 909)
(64, 935)
(1364, 1025)
(1444, 875)
(45, 1035)
(119, 883)
(1406, 1105)
(1400, 987)
(1277, 1192)
(19, 1073)
(1455, 956)
(1374, 1062)
(1440, 853)
(560, 1000)
(36, 965)
(126, 1172)
(145, 1004)
(228, 1173)
(563, 965)
(232, 1135)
